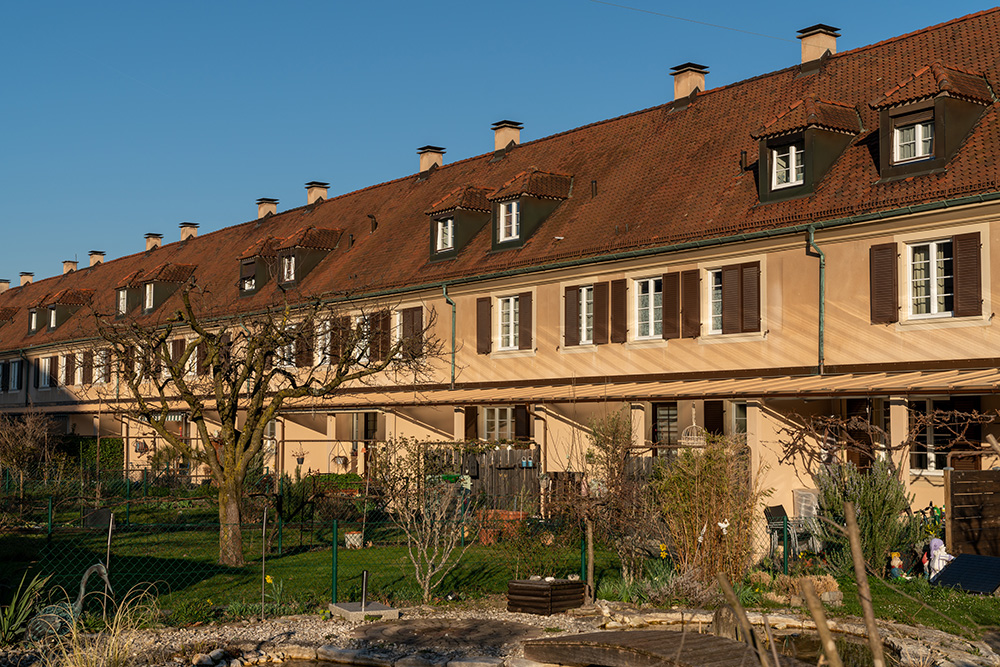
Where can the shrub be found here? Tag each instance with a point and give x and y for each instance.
(14, 616)
(882, 508)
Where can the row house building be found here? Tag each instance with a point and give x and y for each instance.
(812, 241)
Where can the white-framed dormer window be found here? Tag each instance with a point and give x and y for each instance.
(586, 310)
(122, 302)
(913, 142)
(52, 317)
(787, 165)
(14, 383)
(287, 268)
(498, 423)
(508, 322)
(44, 372)
(33, 320)
(147, 298)
(931, 279)
(510, 220)
(715, 301)
(249, 284)
(445, 234)
(649, 307)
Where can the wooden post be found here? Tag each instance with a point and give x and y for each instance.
(949, 530)
(819, 616)
(741, 618)
(864, 592)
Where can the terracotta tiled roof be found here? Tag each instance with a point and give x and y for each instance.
(932, 80)
(7, 314)
(672, 173)
(468, 197)
(169, 273)
(313, 238)
(535, 182)
(265, 247)
(132, 280)
(71, 297)
(810, 112)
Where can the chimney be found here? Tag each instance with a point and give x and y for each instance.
(817, 40)
(153, 241)
(96, 257)
(69, 266)
(430, 156)
(504, 132)
(26, 277)
(315, 191)
(687, 77)
(4, 284)
(266, 206)
(189, 230)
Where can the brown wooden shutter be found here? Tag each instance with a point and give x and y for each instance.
(572, 316)
(522, 423)
(524, 312)
(88, 367)
(340, 336)
(203, 358)
(484, 326)
(5, 376)
(107, 365)
(968, 275)
(471, 422)
(714, 421)
(303, 350)
(691, 304)
(413, 330)
(601, 313)
(70, 371)
(671, 305)
(619, 311)
(37, 364)
(248, 270)
(380, 333)
(750, 289)
(732, 312)
(155, 362)
(176, 349)
(882, 279)
(53, 371)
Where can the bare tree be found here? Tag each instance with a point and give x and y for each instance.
(25, 442)
(233, 373)
(427, 508)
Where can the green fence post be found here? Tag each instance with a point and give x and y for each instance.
(583, 559)
(128, 498)
(333, 570)
(145, 482)
(784, 538)
(50, 516)
(281, 521)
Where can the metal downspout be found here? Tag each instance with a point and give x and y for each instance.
(444, 288)
(822, 296)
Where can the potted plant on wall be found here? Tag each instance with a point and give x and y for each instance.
(300, 455)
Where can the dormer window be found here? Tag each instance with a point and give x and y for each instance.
(33, 320)
(52, 317)
(787, 165)
(288, 268)
(122, 302)
(510, 221)
(147, 298)
(445, 234)
(913, 139)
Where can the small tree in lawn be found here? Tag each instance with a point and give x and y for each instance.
(25, 442)
(427, 508)
(233, 374)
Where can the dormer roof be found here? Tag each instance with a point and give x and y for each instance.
(265, 247)
(936, 79)
(812, 112)
(537, 183)
(469, 198)
(312, 238)
(169, 273)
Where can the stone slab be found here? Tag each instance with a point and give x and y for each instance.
(351, 611)
(341, 656)
(474, 661)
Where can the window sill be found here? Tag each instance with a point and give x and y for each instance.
(582, 348)
(640, 343)
(714, 338)
(919, 472)
(512, 354)
(942, 322)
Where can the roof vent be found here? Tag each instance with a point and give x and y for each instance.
(817, 40)
(96, 257)
(266, 206)
(26, 277)
(430, 156)
(504, 132)
(4, 284)
(189, 230)
(153, 241)
(315, 191)
(688, 77)
(69, 266)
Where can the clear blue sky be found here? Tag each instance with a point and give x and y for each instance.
(121, 118)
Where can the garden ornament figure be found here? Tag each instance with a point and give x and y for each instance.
(896, 567)
(56, 619)
(939, 557)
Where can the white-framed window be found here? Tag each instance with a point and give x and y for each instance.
(715, 300)
(586, 310)
(930, 444)
(286, 353)
(508, 322)
(52, 317)
(323, 329)
(649, 307)
(913, 142)
(445, 234)
(33, 320)
(510, 220)
(78, 368)
(931, 275)
(101, 358)
(147, 302)
(44, 372)
(498, 423)
(249, 284)
(287, 268)
(787, 165)
(122, 302)
(14, 383)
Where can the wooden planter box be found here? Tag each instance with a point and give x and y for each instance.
(544, 597)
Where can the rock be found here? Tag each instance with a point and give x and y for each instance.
(614, 625)
(372, 660)
(524, 662)
(217, 655)
(235, 662)
(202, 660)
(421, 661)
(342, 656)
(296, 652)
(476, 661)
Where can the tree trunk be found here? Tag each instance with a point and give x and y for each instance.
(230, 536)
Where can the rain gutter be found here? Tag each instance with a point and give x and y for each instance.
(822, 299)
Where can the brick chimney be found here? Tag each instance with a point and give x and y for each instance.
(26, 278)
(817, 40)
(265, 206)
(96, 257)
(189, 230)
(69, 266)
(687, 77)
(316, 190)
(4, 284)
(430, 156)
(153, 241)
(504, 132)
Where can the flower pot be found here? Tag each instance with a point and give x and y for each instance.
(488, 536)
(353, 539)
(300, 459)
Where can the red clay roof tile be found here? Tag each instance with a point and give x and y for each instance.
(810, 112)
(932, 80)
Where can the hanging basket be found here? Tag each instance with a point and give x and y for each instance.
(693, 436)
